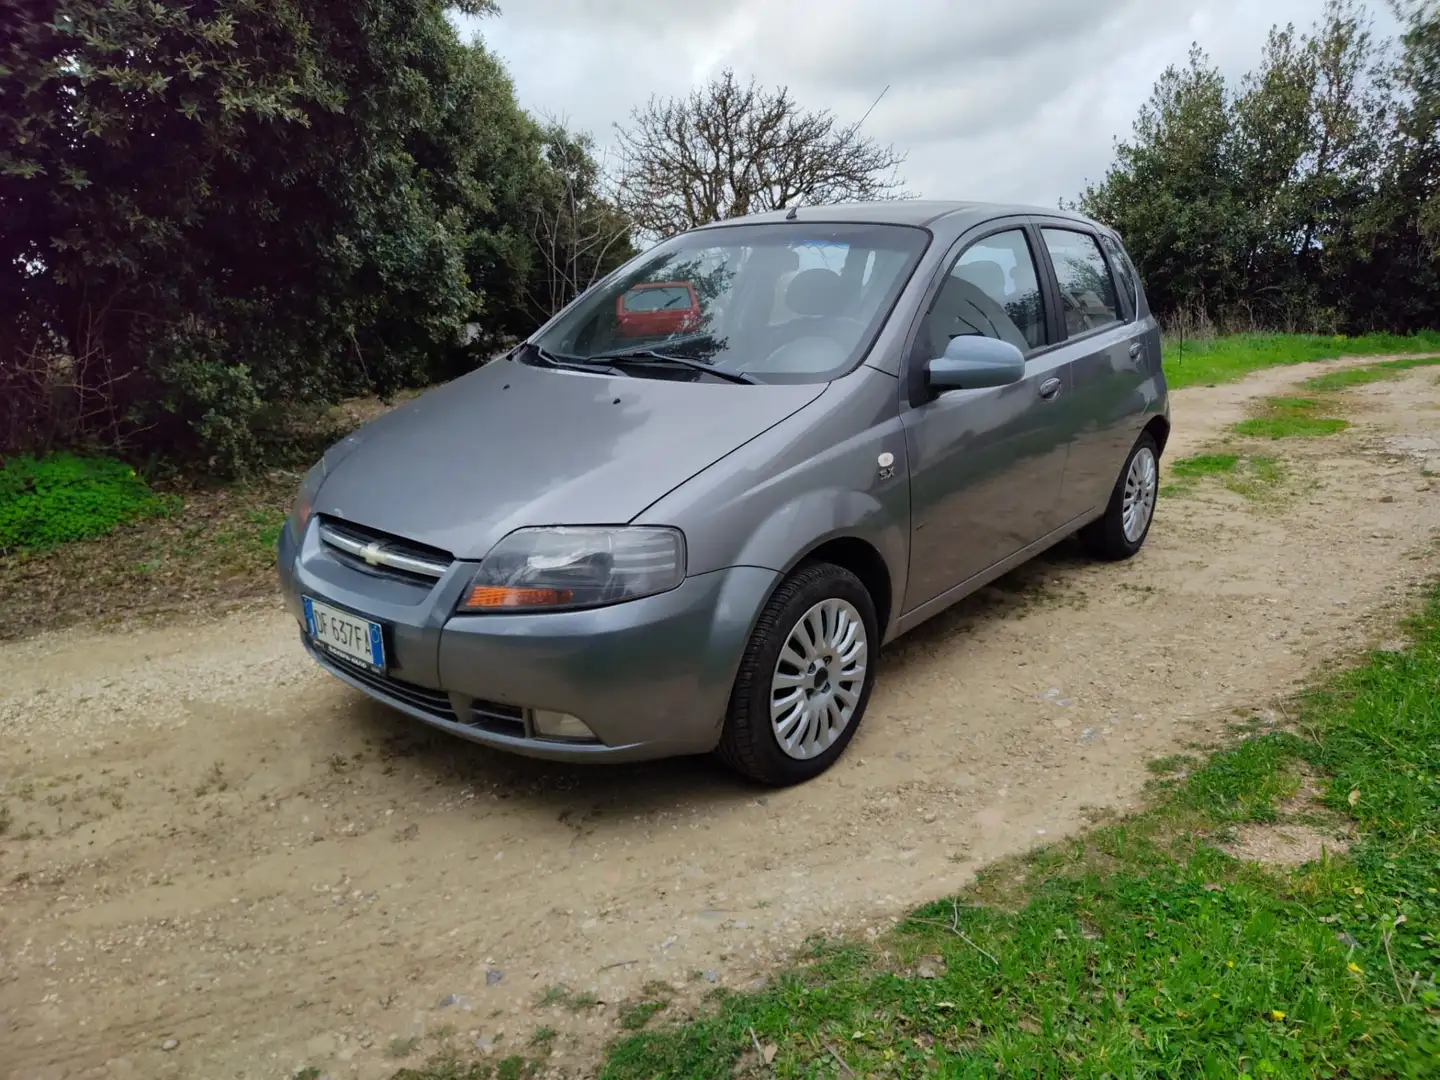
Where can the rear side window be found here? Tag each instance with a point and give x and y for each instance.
(1087, 291)
(1125, 271)
(993, 291)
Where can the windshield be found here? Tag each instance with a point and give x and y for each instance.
(780, 302)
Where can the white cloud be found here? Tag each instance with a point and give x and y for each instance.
(1016, 101)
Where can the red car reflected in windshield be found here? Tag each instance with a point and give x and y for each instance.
(658, 309)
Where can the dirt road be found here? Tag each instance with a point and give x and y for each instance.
(222, 863)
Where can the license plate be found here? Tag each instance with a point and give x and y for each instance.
(345, 635)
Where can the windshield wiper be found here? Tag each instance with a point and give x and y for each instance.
(651, 356)
(549, 359)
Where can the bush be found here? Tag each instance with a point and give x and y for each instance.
(61, 497)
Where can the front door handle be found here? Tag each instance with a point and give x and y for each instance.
(1137, 350)
(1049, 389)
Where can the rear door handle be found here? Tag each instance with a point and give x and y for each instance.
(1137, 350)
(1049, 389)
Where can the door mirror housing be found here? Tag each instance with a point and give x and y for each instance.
(973, 362)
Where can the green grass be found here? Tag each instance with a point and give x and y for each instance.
(1360, 376)
(1224, 359)
(45, 502)
(1254, 476)
(1288, 418)
(1143, 949)
(1290, 426)
(1192, 468)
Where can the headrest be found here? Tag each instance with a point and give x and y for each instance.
(814, 292)
(986, 276)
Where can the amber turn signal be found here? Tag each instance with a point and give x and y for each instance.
(491, 597)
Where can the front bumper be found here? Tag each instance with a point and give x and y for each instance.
(651, 678)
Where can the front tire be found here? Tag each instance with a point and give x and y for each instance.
(1121, 531)
(805, 678)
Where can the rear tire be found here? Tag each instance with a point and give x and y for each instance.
(805, 678)
(1121, 531)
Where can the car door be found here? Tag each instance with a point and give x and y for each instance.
(1105, 355)
(985, 465)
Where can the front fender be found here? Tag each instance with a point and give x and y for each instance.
(813, 478)
(811, 520)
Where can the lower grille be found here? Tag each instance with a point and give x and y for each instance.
(492, 716)
(434, 702)
(484, 715)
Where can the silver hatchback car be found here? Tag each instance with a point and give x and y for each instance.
(686, 513)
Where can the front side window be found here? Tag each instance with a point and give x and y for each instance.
(1087, 292)
(777, 303)
(992, 290)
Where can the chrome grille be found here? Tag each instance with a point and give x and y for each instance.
(380, 553)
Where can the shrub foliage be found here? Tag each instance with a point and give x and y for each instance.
(62, 497)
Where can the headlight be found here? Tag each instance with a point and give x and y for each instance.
(576, 567)
(305, 500)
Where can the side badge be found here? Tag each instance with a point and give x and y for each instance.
(887, 465)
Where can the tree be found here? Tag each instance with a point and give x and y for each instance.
(1397, 235)
(215, 208)
(578, 233)
(1171, 192)
(727, 150)
(1245, 206)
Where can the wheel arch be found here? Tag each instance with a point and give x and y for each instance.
(863, 559)
(1158, 429)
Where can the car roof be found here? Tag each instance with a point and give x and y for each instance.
(914, 212)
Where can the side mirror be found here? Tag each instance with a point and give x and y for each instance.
(972, 362)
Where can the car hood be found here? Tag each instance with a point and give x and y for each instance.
(511, 445)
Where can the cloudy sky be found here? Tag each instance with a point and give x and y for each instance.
(1006, 100)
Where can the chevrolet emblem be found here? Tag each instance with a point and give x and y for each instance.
(371, 554)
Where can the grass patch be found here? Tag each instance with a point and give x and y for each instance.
(1254, 476)
(1290, 418)
(1360, 376)
(1290, 426)
(1225, 359)
(1192, 468)
(1143, 948)
(636, 1016)
(1174, 763)
(191, 546)
(45, 502)
(212, 548)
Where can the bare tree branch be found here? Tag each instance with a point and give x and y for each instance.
(727, 150)
(580, 234)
